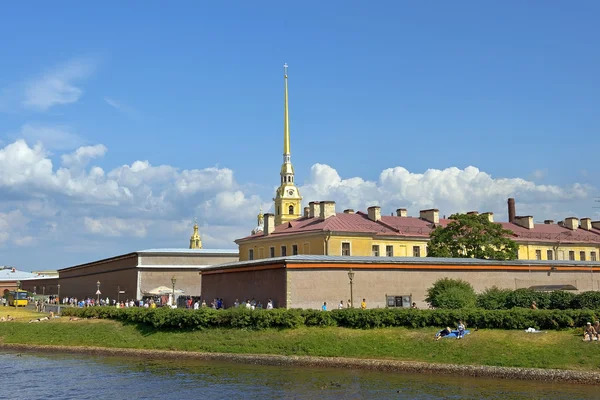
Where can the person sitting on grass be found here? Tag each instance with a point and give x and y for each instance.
(597, 329)
(444, 332)
(589, 333)
(461, 330)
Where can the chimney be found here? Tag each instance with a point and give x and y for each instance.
(596, 224)
(524, 221)
(472, 212)
(586, 223)
(315, 209)
(490, 216)
(548, 221)
(269, 226)
(306, 212)
(374, 213)
(348, 211)
(571, 223)
(327, 209)
(401, 212)
(431, 215)
(512, 213)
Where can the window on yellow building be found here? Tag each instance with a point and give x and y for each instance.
(538, 254)
(416, 251)
(283, 251)
(375, 250)
(549, 254)
(251, 254)
(306, 248)
(593, 256)
(272, 252)
(294, 249)
(291, 210)
(345, 249)
(582, 255)
(389, 251)
(572, 255)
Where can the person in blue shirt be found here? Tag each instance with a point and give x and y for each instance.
(461, 330)
(324, 306)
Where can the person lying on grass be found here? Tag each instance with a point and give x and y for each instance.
(8, 318)
(444, 332)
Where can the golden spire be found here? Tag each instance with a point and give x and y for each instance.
(286, 121)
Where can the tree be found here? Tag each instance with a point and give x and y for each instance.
(451, 293)
(472, 236)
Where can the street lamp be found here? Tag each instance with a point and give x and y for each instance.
(58, 287)
(173, 281)
(351, 277)
(98, 293)
(17, 293)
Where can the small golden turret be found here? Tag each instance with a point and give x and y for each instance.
(195, 240)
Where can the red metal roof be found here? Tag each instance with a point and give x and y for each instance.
(417, 227)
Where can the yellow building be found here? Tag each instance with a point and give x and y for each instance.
(320, 230)
(323, 231)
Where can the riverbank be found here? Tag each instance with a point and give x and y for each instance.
(547, 375)
(554, 355)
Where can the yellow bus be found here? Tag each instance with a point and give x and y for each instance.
(17, 298)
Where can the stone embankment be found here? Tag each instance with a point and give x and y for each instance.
(538, 374)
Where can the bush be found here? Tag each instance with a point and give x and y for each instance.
(589, 300)
(235, 318)
(525, 297)
(451, 293)
(561, 300)
(493, 298)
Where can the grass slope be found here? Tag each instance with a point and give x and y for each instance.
(554, 349)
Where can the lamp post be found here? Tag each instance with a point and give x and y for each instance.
(351, 277)
(98, 293)
(173, 281)
(58, 287)
(17, 293)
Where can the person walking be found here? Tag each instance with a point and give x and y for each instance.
(363, 304)
(324, 306)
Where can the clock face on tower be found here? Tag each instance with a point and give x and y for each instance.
(291, 192)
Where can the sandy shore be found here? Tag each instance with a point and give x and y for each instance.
(551, 375)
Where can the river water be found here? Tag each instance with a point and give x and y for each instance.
(57, 376)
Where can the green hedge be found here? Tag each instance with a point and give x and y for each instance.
(504, 299)
(241, 318)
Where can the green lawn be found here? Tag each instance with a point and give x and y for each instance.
(554, 349)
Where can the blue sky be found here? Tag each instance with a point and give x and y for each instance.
(510, 88)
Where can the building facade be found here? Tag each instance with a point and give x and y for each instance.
(304, 281)
(324, 231)
(131, 276)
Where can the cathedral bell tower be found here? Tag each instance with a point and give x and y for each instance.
(287, 198)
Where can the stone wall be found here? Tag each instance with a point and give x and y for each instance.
(260, 284)
(309, 288)
(187, 280)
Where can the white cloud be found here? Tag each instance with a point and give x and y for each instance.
(121, 107)
(52, 137)
(539, 174)
(58, 86)
(81, 209)
(450, 190)
(83, 155)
